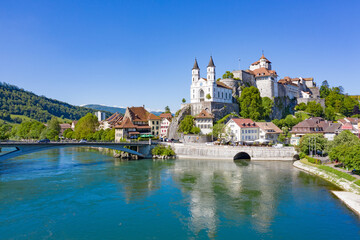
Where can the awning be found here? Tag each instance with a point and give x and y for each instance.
(146, 135)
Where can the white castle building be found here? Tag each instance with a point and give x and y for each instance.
(218, 96)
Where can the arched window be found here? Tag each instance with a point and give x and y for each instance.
(201, 94)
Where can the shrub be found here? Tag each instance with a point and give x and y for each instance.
(338, 173)
(302, 155)
(163, 151)
(313, 160)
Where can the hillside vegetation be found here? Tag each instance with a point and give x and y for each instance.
(17, 101)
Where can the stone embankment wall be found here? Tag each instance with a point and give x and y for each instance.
(340, 182)
(202, 151)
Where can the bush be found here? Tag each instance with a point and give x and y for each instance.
(313, 160)
(161, 150)
(302, 155)
(338, 173)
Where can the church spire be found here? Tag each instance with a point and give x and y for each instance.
(196, 66)
(211, 62)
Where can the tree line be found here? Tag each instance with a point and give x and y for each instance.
(15, 100)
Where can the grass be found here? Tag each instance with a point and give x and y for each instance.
(357, 182)
(338, 173)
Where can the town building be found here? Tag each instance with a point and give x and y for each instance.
(100, 115)
(242, 130)
(111, 121)
(137, 122)
(350, 124)
(63, 127)
(204, 121)
(268, 131)
(165, 123)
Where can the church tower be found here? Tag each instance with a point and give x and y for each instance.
(195, 72)
(211, 70)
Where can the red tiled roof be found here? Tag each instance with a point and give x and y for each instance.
(262, 57)
(245, 123)
(222, 85)
(166, 115)
(263, 72)
(347, 126)
(126, 123)
(204, 114)
(269, 127)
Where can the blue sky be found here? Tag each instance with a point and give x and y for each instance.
(130, 53)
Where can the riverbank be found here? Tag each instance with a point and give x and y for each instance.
(351, 195)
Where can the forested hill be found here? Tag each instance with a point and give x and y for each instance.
(14, 100)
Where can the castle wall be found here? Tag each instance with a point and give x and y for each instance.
(266, 88)
(306, 100)
(218, 109)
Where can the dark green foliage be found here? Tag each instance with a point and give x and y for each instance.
(14, 100)
(68, 133)
(324, 89)
(161, 150)
(317, 143)
(302, 107)
(187, 125)
(228, 74)
(167, 109)
(5, 131)
(28, 130)
(183, 100)
(267, 106)
(287, 122)
(208, 96)
(346, 149)
(315, 109)
(86, 127)
(250, 103)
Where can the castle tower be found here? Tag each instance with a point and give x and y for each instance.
(211, 70)
(264, 62)
(195, 72)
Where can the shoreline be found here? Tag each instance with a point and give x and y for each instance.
(351, 194)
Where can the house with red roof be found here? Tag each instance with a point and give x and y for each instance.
(165, 123)
(137, 122)
(242, 130)
(204, 120)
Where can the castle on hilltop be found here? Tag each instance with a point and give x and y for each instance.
(218, 96)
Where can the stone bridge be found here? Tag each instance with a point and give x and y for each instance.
(142, 149)
(202, 151)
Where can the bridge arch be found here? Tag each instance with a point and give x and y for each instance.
(242, 156)
(296, 157)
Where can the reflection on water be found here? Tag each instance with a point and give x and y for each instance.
(81, 193)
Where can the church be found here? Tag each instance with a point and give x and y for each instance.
(208, 89)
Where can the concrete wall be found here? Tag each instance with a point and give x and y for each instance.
(202, 151)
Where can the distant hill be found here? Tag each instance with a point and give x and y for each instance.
(15, 101)
(113, 109)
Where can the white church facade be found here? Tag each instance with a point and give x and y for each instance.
(208, 89)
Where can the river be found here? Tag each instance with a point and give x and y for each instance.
(84, 194)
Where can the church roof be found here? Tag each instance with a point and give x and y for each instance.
(211, 62)
(196, 66)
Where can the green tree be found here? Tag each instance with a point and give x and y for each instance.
(208, 96)
(330, 113)
(5, 131)
(267, 106)
(301, 107)
(167, 109)
(315, 109)
(68, 133)
(187, 125)
(183, 100)
(218, 130)
(86, 127)
(324, 89)
(228, 74)
(316, 142)
(250, 103)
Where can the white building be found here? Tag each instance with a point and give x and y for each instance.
(100, 116)
(242, 130)
(208, 89)
(268, 131)
(265, 77)
(164, 124)
(204, 120)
